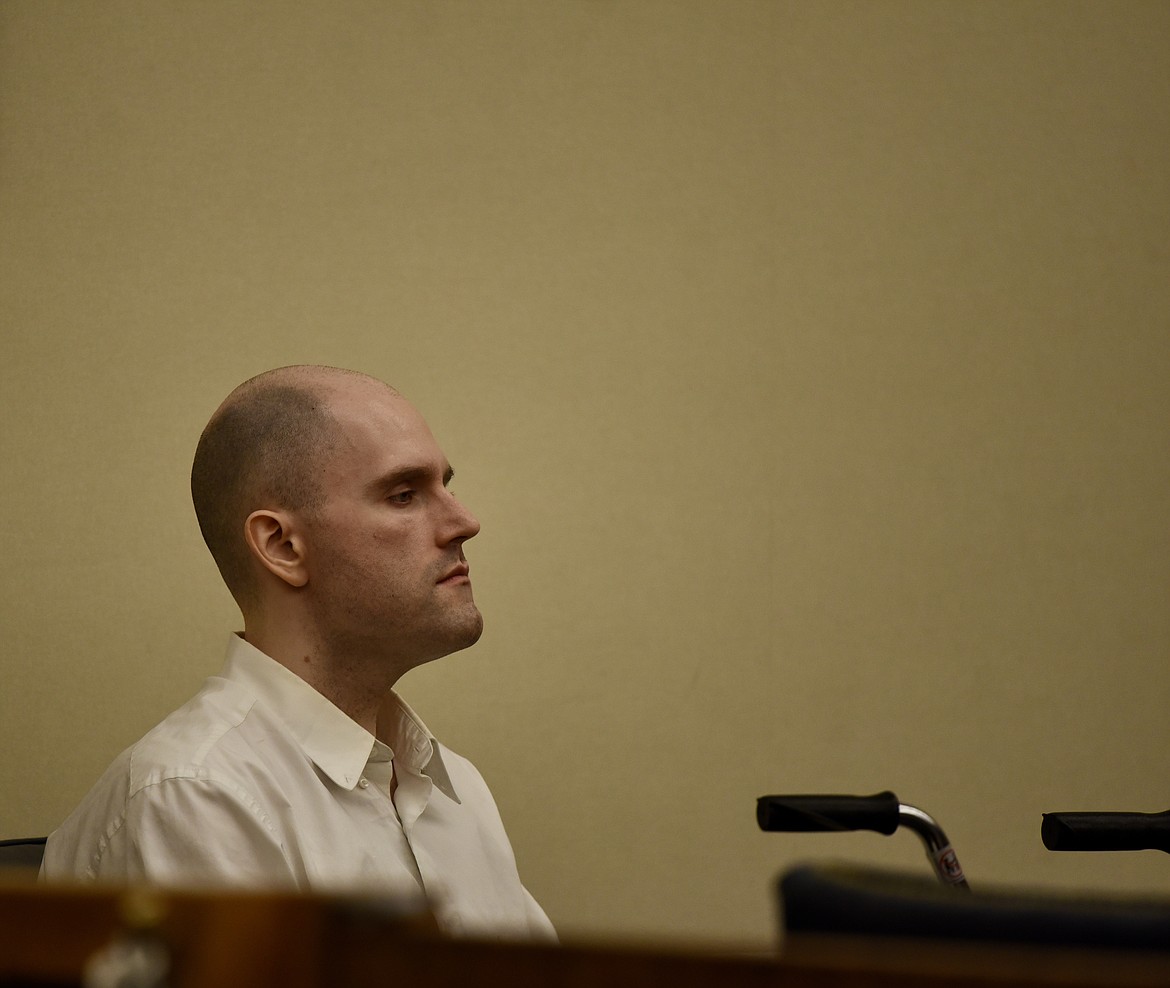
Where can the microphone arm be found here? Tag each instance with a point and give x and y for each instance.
(881, 812)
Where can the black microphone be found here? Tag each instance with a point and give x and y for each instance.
(806, 814)
(1106, 831)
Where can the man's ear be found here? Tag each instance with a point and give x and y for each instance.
(275, 540)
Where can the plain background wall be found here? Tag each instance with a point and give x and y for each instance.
(807, 364)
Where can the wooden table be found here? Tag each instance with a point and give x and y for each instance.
(219, 940)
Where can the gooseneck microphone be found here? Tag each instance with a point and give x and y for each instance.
(1106, 831)
(881, 812)
(809, 814)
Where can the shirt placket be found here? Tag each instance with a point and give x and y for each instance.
(377, 780)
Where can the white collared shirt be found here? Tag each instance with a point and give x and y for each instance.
(259, 781)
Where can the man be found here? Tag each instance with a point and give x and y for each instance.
(325, 502)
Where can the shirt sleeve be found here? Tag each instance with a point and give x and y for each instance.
(193, 832)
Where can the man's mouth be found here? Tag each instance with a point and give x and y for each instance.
(457, 574)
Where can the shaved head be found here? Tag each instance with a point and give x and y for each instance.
(265, 447)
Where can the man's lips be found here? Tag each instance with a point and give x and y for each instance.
(457, 574)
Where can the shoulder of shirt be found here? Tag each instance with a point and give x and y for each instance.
(189, 742)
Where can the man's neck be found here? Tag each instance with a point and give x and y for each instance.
(355, 685)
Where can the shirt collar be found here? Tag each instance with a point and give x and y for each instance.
(415, 747)
(334, 741)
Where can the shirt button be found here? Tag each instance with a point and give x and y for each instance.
(363, 783)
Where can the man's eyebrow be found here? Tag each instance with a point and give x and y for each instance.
(410, 474)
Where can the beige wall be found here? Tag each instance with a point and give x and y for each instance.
(807, 364)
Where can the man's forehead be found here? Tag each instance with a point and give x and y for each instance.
(363, 406)
(379, 432)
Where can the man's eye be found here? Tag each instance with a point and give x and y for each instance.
(402, 497)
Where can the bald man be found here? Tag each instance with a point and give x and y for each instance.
(325, 502)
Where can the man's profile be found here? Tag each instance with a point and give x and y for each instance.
(325, 502)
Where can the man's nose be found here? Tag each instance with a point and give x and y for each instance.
(463, 525)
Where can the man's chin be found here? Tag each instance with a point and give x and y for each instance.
(475, 629)
(455, 640)
(465, 630)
